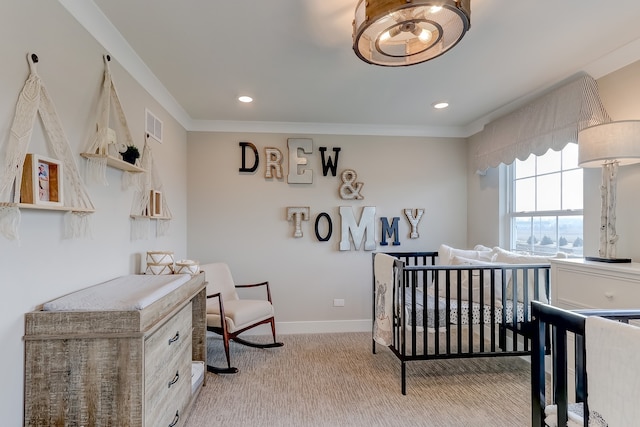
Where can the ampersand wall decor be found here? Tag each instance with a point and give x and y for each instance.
(349, 189)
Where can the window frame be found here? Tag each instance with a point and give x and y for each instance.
(512, 215)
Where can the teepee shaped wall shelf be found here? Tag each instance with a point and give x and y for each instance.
(34, 100)
(104, 148)
(149, 201)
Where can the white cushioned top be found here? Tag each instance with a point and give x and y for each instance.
(133, 292)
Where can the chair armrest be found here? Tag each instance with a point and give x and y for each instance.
(254, 285)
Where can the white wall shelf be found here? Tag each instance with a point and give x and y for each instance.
(150, 217)
(48, 208)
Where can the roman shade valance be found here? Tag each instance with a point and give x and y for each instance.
(550, 121)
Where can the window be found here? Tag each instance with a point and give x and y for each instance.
(545, 209)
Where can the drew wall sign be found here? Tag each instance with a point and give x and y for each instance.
(354, 233)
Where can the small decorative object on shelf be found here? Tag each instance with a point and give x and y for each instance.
(131, 154)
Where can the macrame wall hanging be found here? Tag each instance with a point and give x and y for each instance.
(149, 201)
(107, 143)
(33, 100)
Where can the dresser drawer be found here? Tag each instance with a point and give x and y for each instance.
(591, 289)
(168, 398)
(168, 341)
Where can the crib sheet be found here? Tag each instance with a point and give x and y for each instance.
(469, 313)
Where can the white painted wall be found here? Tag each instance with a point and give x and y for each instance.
(42, 265)
(240, 218)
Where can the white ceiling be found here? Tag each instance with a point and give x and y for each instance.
(294, 57)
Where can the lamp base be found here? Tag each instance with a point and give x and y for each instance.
(611, 260)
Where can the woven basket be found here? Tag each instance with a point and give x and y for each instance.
(187, 266)
(159, 262)
(160, 257)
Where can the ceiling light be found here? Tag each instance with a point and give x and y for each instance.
(245, 99)
(440, 105)
(406, 32)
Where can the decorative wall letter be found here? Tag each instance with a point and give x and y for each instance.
(329, 225)
(329, 164)
(390, 231)
(357, 231)
(347, 189)
(244, 167)
(298, 214)
(414, 220)
(273, 162)
(295, 144)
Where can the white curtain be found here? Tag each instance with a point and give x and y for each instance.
(550, 121)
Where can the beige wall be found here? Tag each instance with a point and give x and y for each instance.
(240, 218)
(43, 265)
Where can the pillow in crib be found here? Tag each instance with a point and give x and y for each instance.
(507, 257)
(446, 254)
(464, 282)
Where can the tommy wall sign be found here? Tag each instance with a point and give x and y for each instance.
(353, 232)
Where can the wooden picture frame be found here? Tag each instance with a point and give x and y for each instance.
(42, 179)
(155, 203)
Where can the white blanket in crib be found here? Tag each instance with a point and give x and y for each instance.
(133, 292)
(383, 294)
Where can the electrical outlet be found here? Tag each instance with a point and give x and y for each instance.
(338, 302)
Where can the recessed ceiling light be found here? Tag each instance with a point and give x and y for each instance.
(245, 99)
(440, 105)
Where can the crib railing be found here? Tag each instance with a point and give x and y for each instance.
(558, 325)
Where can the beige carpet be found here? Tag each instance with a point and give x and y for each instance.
(335, 380)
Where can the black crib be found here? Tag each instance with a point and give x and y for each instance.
(559, 325)
(504, 334)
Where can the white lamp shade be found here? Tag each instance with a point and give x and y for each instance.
(609, 142)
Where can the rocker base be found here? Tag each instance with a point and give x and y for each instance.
(215, 370)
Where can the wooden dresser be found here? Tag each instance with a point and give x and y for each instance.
(117, 366)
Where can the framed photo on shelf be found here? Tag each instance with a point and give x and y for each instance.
(42, 179)
(154, 208)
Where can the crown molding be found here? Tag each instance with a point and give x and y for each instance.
(87, 13)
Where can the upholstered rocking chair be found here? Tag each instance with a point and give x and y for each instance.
(239, 314)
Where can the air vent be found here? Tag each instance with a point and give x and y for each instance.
(153, 126)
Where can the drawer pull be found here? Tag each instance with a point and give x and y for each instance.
(175, 420)
(174, 380)
(175, 338)
(609, 295)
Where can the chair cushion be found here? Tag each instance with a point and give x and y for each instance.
(219, 279)
(239, 313)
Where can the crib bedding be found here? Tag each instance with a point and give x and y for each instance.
(471, 313)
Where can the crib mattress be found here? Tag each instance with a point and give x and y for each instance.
(470, 313)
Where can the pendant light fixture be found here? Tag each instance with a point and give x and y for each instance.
(406, 32)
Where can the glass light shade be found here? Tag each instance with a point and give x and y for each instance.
(609, 142)
(400, 32)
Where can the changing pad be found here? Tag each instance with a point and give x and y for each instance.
(132, 292)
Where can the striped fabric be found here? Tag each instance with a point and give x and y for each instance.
(550, 121)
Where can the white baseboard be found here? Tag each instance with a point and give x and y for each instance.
(314, 327)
